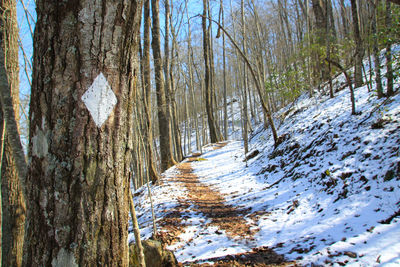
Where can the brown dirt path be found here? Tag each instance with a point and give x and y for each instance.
(201, 198)
(209, 202)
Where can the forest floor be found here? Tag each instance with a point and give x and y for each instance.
(226, 218)
(328, 195)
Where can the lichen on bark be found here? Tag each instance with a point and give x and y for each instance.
(79, 213)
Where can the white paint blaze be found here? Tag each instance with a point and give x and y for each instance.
(99, 100)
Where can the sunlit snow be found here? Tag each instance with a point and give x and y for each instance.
(342, 173)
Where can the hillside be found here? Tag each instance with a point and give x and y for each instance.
(328, 194)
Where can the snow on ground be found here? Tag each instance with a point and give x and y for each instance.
(329, 194)
(165, 198)
(327, 203)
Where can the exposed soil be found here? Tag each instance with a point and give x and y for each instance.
(258, 257)
(201, 198)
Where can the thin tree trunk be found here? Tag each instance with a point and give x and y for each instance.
(261, 71)
(136, 232)
(13, 202)
(359, 46)
(388, 54)
(224, 73)
(9, 115)
(177, 136)
(168, 82)
(245, 114)
(191, 81)
(345, 22)
(214, 138)
(309, 44)
(375, 48)
(256, 81)
(147, 93)
(164, 125)
(349, 83)
(328, 46)
(3, 133)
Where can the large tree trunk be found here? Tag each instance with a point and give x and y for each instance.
(359, 46)
(78, 208)
(213, 131)
(13, 203)
(164, 125)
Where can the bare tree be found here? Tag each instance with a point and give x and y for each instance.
(245, 85)
(375, 48)
(146, 73)
(321, 22)
(224, 74)
(359, 46)
(213, 131)
(164, 125)
(388, 53)
(190, 60)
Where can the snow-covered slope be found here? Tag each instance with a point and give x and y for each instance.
(328, 194)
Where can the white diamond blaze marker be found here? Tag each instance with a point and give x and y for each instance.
(99, 100)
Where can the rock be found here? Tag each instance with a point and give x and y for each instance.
(281, 139)
(155, 255)
(350, 254)
(251, 155)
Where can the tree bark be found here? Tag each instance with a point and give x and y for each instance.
(359, 46)
(245, 114)
(345, 22)
(78, 210)
(321, 21)
(177, 136)
(136, 233)
(13, 202)
(388, 54)
(168, 80)
(164, 124)
(151, 169)
(2, 142)
(213, 131)
(191, 81)
(224, 73)
(375, 48)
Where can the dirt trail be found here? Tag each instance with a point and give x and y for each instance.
(202, 198)
(209, 202)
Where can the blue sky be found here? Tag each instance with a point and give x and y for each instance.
(26, 39)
